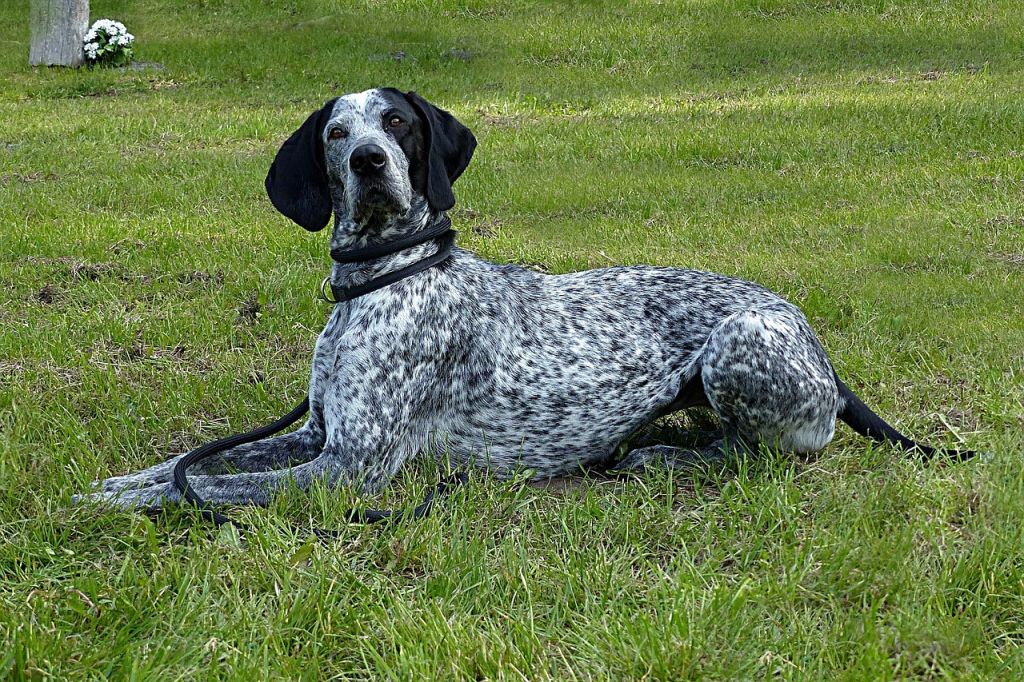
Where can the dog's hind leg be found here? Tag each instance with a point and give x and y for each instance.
(768, 380)
(691, 394)
(279, 452)
(671, 457)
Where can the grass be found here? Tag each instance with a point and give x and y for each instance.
(865, 159)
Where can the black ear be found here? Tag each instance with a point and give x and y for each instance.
(297, 181)
(449, 146)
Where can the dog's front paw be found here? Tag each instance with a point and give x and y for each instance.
(153, 498)
(127, 482)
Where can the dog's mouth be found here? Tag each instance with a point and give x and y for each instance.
(376, 200)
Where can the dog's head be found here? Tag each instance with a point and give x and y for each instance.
(369, 156)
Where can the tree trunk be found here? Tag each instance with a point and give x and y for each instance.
(57, 30)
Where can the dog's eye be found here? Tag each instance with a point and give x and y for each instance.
(395, 121)
(336, 134)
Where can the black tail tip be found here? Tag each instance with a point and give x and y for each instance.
(960, 455)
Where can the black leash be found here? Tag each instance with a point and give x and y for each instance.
(441, 230)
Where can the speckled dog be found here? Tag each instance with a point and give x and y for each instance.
(498, 366)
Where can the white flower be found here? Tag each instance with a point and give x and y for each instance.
(107, 38)
(109, 27)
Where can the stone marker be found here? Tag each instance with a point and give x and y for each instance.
(57, 28)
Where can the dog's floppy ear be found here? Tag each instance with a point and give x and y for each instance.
(297, 181)
(449, 147)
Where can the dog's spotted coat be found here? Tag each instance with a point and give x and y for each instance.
(495, 365)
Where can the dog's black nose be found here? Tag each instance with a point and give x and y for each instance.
(367, 159)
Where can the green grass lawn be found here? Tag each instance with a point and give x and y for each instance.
(863, 158)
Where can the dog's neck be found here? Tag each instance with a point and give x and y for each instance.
(378, 230)
(373, 228)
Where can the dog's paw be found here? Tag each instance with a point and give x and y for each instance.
(132, 481)
(153, 498)
(127, 482)
(670, 457)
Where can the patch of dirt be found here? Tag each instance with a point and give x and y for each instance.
(501, 120)
(871, 80)
(200, 277)
(10, 370)
(251, 309)
(930, 75)
(158, 84)
(107, 354)
(91, 271)
(80, 271)
(67, 376)
(76, 270)
(48, 294)
(991, 180)
(28, 178)
(176, 442)
(1005, 220)
(738, 160)
(306, 23)
(488, 229)
(464, 214)
(1009, 257)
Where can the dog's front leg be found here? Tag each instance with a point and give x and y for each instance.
(374, 419)
(346, 459)
(279, 452)
(377, 419)
(245, 488)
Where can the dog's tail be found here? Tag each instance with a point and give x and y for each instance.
(861, 419)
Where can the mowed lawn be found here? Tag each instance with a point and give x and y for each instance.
(865, 159)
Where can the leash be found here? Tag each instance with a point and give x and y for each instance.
(443, 232)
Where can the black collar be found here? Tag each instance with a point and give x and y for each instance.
(441, 230)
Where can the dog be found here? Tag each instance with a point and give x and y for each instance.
(498, 366)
